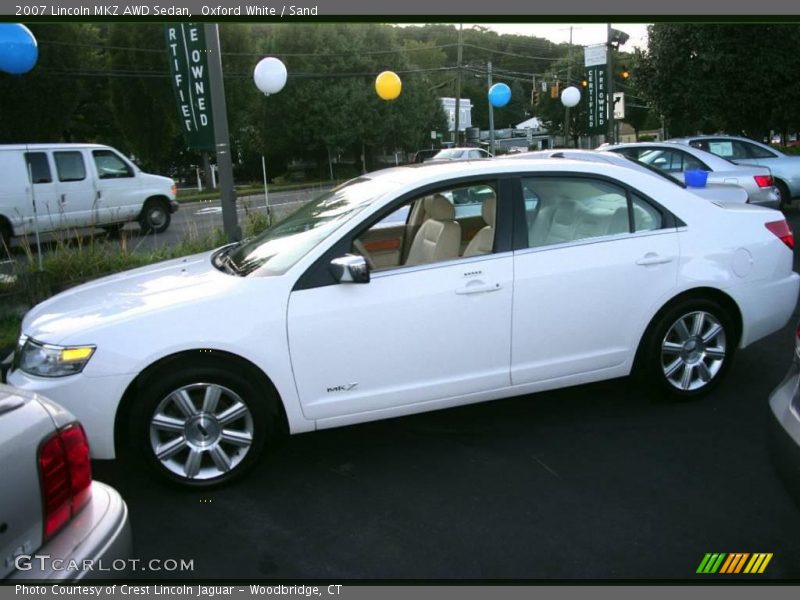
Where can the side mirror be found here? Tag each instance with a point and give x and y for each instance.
(350, 268)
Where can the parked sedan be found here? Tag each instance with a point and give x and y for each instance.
(461, 154)
(55, 522)
(785, 169)
(675, 159)
(574, 271)
(784, 424)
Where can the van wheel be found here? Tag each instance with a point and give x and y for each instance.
(5, 238)
(155, 217)
(201, 426)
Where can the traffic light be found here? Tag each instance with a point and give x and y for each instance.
(584, 83)
(624, 73)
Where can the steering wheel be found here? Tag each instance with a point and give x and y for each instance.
(358, 246)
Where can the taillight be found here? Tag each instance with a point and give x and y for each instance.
(783, 231)
(763, 181)
(66, 476)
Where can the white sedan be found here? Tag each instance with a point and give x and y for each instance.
(572, 272)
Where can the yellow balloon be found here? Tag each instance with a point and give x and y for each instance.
(388, 85)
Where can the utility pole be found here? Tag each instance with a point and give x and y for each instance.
(458, 84)
(491, 108)
(230, 220)
(569, 82)
(610, 86)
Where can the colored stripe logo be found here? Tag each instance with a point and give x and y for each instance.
(734, 563)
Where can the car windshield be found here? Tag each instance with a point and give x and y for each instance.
(277, 249)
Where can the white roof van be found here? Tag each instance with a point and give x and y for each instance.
(61, 186)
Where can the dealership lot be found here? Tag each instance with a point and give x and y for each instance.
(600, 481)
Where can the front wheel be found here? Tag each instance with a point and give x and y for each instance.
(155, 217)
(690, 348)
(201, 427)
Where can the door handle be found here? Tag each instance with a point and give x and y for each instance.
(99, 194)
(651, 258)
(63, 198)
(478, 288)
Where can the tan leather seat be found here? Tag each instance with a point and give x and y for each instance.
(439, 237)
(483, 242)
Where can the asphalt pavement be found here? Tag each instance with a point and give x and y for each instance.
(601, 481)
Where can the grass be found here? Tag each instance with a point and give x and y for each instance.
(192, 195)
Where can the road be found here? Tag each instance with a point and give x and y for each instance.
(601, 481)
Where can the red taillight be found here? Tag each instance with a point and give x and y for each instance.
(763, 181)
(66, 476)
(783, 231)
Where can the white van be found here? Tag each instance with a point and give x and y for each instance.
(78, 185)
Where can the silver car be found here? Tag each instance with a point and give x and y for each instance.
(784, 424)
(55, 522)
(460, 154)
(743, 151)
(675, 159)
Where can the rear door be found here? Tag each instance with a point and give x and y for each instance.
(599, 257)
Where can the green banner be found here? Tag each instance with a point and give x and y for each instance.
(597, 97)
(188, 65)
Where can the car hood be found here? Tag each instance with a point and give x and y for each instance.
(171, 284)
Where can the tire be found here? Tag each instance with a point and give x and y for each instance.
(112, 231)
(5, 238)
(201, 426)
(155, 217)
(784, 198)
(689, 349)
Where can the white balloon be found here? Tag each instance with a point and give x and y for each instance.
(570, 96)
(270, 75)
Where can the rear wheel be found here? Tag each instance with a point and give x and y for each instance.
(155, 216)
(784, 197)
(690, 348)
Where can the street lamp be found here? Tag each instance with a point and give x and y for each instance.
(614, 39)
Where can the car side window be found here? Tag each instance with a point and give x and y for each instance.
(730, 149)
(571, 209)
(70, 166)
(451, 223)
(39, 167)
(646, 217)
(757, 151)
(110, 166)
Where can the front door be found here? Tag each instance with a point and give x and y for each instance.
(433, 325)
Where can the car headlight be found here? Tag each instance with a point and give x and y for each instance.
(49, 360)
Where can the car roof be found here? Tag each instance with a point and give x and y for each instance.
(593, 156)
(54, 146)
(433, 171)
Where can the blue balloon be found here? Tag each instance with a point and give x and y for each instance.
(18, 48)
(499, 95)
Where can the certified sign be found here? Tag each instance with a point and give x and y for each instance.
(188, 65)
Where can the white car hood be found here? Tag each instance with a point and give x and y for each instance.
(124, 296)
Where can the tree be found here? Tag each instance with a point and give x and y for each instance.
(710, 77)
(60, 99)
